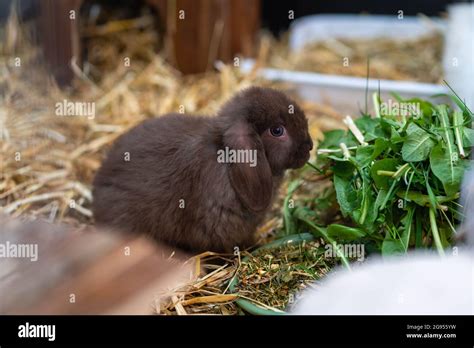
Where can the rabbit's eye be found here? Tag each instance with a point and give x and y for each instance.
(277, 131)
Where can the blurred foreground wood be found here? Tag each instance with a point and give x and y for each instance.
(83, 272)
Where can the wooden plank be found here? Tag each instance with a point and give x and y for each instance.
(210, 30)
(59, 36)
(92, 267)
(245, 24)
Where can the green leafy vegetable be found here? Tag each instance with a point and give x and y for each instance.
(418, 144)
(399, 188)
(342, 232)
(448, 168)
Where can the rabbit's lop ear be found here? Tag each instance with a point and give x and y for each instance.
(250, 174)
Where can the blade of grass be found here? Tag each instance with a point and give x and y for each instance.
(376, 101)
(458, 128)
(389, 194)
(435, 232)
(418, 229)
(431, 195)
(407, 232)
(448, 221)
(457, 99)
(287, 218)
(315, 168)
(447, 135)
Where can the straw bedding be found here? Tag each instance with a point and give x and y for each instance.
(48, 161)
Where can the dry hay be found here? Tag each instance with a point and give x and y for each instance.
(207, 292)
(273, 278)
(403, 59)
(48, 161)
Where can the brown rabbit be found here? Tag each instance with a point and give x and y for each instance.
(169, 177)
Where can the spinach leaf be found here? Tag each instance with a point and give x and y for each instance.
(447, 169)
(346, 195)
(418, 144)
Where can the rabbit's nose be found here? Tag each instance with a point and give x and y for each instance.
(308, 145)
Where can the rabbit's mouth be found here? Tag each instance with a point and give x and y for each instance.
(300, 160)
(303, 153)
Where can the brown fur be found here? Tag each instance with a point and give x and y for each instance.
(174, 158)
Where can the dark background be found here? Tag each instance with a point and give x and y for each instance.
(275, 13)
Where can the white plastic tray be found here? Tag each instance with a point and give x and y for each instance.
(322, 27)
(347, 94)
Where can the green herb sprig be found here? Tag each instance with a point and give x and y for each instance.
(397, 176)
